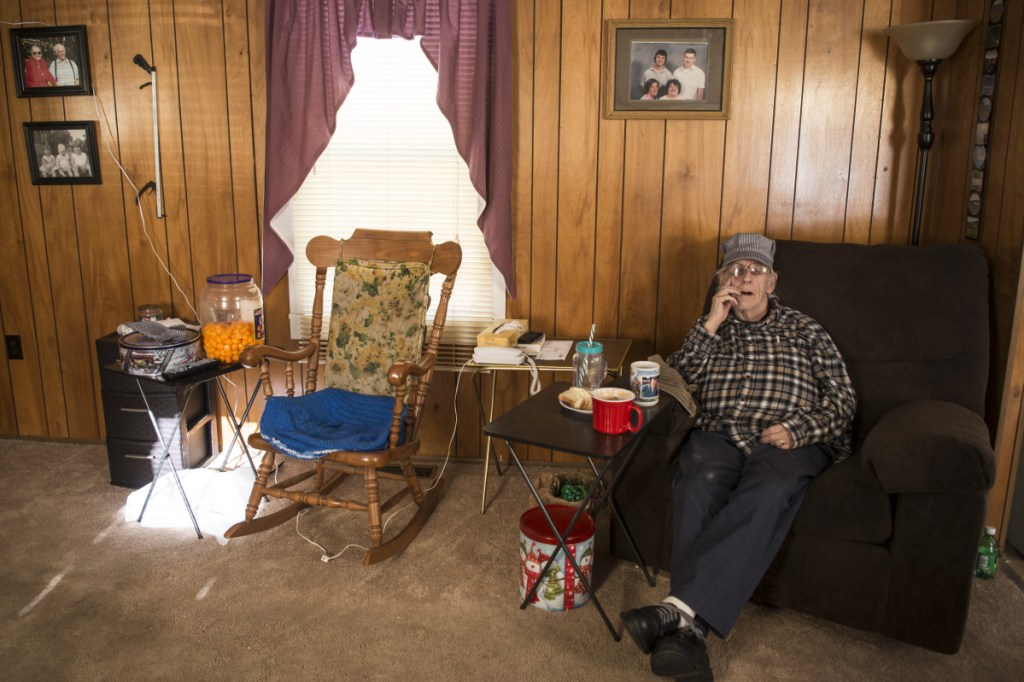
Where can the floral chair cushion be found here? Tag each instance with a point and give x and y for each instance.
(378, 317)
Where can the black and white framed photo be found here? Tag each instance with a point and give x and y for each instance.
(63, 153)
(51, 62)
(666, 68)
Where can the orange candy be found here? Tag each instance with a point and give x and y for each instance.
(224, 341)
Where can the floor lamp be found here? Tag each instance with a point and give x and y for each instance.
(927, 43)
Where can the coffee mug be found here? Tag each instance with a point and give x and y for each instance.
(612, 410)
(643, 379)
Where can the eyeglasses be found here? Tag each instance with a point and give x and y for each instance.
(35, 52)
(737, 270)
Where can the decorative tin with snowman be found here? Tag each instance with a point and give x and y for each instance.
(561, 589)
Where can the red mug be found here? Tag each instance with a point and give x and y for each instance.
(612, 410)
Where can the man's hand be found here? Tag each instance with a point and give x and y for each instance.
(721, 303)
(778, 436)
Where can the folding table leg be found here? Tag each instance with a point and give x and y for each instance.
(236, 425)
(562, 545)
(167, 455)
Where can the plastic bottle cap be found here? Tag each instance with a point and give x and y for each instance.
(589, 347)
(990, 530)
(229, 278)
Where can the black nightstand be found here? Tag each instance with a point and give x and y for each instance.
(133, 448)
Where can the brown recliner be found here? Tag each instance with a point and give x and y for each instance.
(884, 541)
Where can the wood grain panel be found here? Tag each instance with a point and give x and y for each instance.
(897, 153)
(239, 65)
(644, 191)
(546, 80)
(1002, 234)
(130, 35)
(866, 122)
(789, 84)
(199, 33)
(644, 180)
(522, 154)
(956, 103)
(747, 158)
(608, 230)
(169, 102)
(23, 404)
(31, 203)
(691, 209)
(579, 113)
(826, 130)
(105, 286)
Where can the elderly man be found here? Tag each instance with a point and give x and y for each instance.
(777, 411)
(63, 69)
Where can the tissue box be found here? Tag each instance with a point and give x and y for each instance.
(502, 334)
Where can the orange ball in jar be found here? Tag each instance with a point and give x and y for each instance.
(232, 315)
(225, 341)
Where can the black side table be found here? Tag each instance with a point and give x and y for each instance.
(188, 384)
(542, 421)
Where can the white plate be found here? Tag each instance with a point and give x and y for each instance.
(574, 409)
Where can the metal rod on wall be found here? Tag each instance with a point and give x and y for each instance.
(158, 184)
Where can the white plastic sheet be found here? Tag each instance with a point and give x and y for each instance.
(218, 500)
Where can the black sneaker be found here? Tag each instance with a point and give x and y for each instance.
(648, 624)
(682, 655)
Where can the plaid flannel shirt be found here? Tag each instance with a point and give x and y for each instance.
(783, 369)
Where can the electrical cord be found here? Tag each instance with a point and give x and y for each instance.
(327, 558)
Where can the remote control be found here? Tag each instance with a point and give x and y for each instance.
(188, 368)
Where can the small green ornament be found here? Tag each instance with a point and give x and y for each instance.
(572, 491)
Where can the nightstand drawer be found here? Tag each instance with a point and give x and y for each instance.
(133, 463)
(126, 417)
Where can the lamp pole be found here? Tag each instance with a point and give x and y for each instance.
(927, 43)
(925, 138)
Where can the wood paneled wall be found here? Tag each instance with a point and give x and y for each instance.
(616, 222)
(77, 260)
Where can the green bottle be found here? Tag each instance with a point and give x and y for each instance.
(988, 555)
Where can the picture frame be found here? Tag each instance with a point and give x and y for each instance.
(693, 75)
(37, 52)
(63, 153)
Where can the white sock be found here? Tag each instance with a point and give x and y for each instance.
(682, 606)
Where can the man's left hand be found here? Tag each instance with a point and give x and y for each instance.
(777, 435)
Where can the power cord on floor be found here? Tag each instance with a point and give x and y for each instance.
(325, 557)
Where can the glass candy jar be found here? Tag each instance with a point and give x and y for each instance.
(232, 315)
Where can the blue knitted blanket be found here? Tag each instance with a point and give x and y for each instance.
(329, 420)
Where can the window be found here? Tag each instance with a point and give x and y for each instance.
(392, 164)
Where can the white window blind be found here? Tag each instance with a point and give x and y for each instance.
(392, 164)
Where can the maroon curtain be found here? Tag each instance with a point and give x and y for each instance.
(309, 74)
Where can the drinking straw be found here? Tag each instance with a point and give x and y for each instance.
(593, 326)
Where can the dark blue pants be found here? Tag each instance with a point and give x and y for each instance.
(731, 514)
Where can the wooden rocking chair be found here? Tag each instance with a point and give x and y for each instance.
(375, 347)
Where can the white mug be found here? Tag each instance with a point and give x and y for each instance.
(643, 379)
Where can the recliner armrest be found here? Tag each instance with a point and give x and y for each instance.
(930, 446)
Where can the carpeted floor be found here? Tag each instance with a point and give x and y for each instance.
(87, 596)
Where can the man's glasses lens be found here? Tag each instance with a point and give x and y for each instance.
(742, 270)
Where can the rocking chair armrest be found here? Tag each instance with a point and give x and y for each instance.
(254, 355)
(400, 371)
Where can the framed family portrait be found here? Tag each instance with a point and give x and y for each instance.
(51, 62)
(63, 153)
(667, 68)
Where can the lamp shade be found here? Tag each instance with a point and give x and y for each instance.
(929, 40)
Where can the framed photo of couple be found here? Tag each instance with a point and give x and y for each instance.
(51, 62)
(667, 68)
